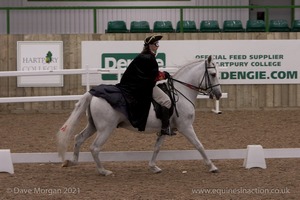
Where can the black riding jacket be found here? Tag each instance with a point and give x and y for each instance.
(136, 86)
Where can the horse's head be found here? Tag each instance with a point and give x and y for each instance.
(210, 81)
(200, 76)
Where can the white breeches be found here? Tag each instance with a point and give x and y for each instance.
(160, 97)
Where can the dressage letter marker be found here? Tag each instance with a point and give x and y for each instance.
(255, 157)
(5, 161)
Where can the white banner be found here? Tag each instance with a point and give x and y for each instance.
(40, 56)
(239, 61)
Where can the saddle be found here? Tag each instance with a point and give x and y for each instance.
(114, 97)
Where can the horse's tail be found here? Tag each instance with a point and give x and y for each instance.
(67, 130)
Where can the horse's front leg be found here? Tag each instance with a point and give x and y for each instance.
(190, 134)
(152, 163)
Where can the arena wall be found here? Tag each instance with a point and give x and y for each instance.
(252, 97)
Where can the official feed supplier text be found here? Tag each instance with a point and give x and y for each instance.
(274, 66)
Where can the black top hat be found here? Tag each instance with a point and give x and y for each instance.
(152, 39)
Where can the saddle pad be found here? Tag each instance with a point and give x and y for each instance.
(112, 95)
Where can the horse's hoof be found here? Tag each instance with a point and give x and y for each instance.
(67, 163)
(214, 170)
(105, 172)
(155, 169)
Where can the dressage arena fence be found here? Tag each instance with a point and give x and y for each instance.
(253, 156)
(146, 155)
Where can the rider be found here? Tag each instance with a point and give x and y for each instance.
(138, 86)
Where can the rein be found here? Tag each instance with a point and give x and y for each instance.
(199, 89)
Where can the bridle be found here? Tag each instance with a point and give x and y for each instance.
(208, 86)
(206, 90)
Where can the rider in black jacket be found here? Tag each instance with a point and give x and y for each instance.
(138, 86)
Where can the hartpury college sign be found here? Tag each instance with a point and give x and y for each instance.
(239, 61)
(40, 56)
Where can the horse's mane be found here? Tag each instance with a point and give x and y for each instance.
(188, 65)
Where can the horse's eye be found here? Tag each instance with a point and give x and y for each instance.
(213, 74)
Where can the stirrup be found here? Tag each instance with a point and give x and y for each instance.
(167, 131)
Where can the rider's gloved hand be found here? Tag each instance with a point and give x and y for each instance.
(167, 75)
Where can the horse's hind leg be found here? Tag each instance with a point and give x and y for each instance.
(192, 137)
(96, 147)
(80, 138)
(152, 165)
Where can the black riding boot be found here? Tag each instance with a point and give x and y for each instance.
(165, 127)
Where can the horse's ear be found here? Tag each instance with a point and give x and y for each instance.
(209, 59)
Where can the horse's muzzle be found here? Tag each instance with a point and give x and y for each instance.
(217, 95)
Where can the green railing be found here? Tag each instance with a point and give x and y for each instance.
(179, 8)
